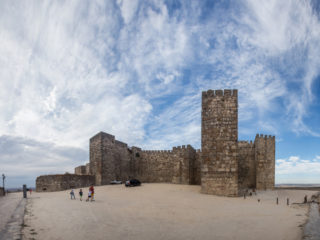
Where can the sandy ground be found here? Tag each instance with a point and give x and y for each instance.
(164, 211)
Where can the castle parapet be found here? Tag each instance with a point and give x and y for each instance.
(220, 93)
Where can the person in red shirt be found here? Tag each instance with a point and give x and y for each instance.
(91, 189)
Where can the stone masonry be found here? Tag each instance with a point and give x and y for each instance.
(219, 142)
(59, 182)
(224, 166)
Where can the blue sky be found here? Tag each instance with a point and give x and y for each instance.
(136, 69)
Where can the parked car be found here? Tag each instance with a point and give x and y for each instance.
(133, 183)
(116, 182)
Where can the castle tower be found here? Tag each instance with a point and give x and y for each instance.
(219, 142)
(265, 161)
(109, 159)
(97, 155)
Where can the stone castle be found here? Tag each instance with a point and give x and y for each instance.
(224, 166)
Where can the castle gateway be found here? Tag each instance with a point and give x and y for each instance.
(224, 166)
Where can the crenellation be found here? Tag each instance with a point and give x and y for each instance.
(227, 92)
(219, 93)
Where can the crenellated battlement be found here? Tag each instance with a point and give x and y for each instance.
(174, 149)
(220, 93)
(243, 143)
(183, 147)
(156, 151)
(263, 136)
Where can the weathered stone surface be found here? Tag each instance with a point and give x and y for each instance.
(109, 159)
(219, 142)
(197, 168)
(59, 182)
(265, 161)
(81, 170)
(224, 166)
(247, 165)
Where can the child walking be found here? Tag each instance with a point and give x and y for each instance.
(80, 194)
(72, 194)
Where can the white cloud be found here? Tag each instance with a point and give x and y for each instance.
(128, 9)
(288, 33)
(32, 158)
(295, 166)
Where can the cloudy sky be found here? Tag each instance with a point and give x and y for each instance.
(136, 69)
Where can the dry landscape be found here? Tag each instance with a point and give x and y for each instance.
(165, 211)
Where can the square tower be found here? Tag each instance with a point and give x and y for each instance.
(219, 142)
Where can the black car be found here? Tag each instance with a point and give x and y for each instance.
(133, 183)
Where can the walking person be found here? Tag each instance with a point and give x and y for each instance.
(80, 194)
(91, 189)
(72, 194)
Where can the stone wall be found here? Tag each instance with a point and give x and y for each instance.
(81, 170)
(154, 166)
(111, 159)
(171, 166)
(197, 168)
(265, 161)
(219, 138)
(88, 169)
(183, 161)
(247, 167)
(60, 182)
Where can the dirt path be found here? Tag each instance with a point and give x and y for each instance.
(12, 208)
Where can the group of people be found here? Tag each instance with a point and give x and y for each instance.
(90, 194)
